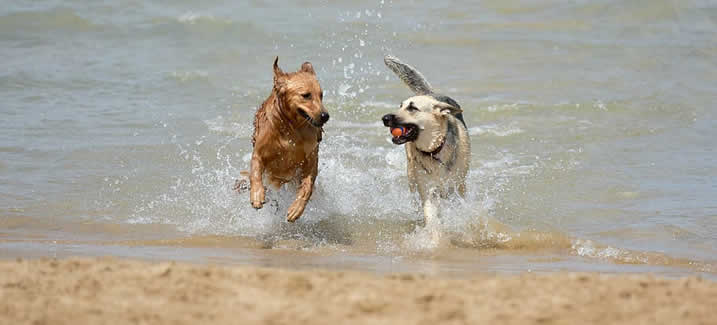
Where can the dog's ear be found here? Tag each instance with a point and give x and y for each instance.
(277, 70)
(445, 108)
(307, 67)
(279, 75)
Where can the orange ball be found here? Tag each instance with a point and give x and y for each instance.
(397, 132)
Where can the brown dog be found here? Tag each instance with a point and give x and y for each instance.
(287, 132)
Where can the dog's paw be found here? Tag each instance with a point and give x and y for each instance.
(241, 185)
(295, 210)
(257, 204)
(258, 198)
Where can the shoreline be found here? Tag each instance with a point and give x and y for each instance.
(112, 290)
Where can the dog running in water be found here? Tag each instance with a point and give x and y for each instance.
(437, 144)
(287, 133)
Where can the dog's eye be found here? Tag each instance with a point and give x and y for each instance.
(306, 95)
(321, 95)
(412, 108)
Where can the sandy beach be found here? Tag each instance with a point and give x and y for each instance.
(122, 291)
(590, 198)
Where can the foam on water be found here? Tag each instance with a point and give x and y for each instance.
(359, 183)
(188, 76)
(194, 18)
(361, 189)
(496, 130)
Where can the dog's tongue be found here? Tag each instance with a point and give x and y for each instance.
(397, 132)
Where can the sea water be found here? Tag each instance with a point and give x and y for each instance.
(124, 124)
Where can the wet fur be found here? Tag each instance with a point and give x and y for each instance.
(433, 174)
(287, 132)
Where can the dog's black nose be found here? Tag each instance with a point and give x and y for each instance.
(387, 119)
(324, 117)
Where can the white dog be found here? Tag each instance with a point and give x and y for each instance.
(437, 144)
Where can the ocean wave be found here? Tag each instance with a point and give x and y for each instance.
(202, 23)
(230, 127)
(380, 104)
(356, 125)
(505, 107)
(590, 249)
(52, 19)
(193, 18)
(187, 76)
(25, 79)
(496, 130)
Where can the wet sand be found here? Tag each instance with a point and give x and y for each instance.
(124, 291)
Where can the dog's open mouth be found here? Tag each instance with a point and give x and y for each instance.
(403, 133)
(308, 118)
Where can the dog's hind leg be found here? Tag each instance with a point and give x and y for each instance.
(241, 185)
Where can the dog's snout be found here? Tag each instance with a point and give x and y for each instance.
(324, 117)
(387, 119)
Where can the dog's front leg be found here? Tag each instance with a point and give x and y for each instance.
(431, 212)
(431, 209)
(306, 187)
(411, 171)
(256, 174)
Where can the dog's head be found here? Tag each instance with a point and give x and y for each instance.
(423, 119)
(300, 95)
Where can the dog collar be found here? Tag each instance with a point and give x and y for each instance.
(436, 151)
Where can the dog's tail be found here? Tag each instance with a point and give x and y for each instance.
(409, 75)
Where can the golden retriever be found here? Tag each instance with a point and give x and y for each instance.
(287, 133)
